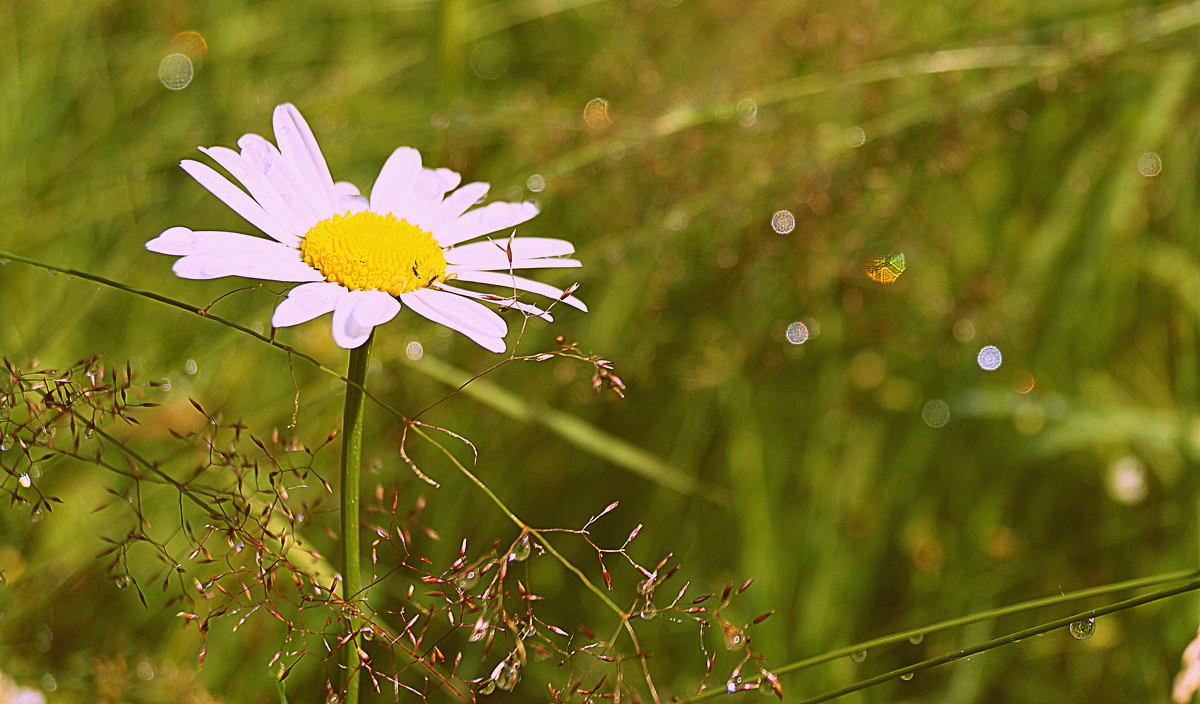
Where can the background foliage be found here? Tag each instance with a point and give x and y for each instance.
(999, 146)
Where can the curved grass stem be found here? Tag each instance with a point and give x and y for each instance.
(1193, 584)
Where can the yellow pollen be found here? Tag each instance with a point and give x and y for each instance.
(369, 251)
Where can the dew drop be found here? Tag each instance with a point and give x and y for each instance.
(906, 676)
(506, 675)
(480, 630)
(1082, 629)
(649, 612)
(783, 222)
(414, 351)
(49, 684)
(176, 71)
(36, 516)
(467, 579)
(734, 684)
(521, 550)
(917, 639)
(990, 358)
(191, 367)
(858, 656)
(535, 183)
(855, 137)
(797, 333)
(123, 581)
(734, 639)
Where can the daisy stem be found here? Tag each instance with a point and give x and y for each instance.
(352, 433)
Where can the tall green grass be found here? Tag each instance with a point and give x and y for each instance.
(1000, 154)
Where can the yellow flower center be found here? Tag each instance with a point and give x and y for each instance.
(365, 251)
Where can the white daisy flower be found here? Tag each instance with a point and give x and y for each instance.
(363, 258)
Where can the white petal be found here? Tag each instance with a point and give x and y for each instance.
(180, 241)
(481, 221)
(395, 179)
(299, 149)
(426, 193)
(345, 188)
(284, 266)
(518, 247)
(375, 308)
(521, 284)
(453, 206)
(236, 198)
(261, 155)
(500, 262)
(457, 313)
(261, 190)
(348, 331)
(349, 199)
(307, 301)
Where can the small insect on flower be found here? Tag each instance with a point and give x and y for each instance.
(362, 258)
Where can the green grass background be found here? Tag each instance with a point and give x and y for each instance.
(1001, 152)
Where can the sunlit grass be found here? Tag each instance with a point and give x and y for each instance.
(1001, 149)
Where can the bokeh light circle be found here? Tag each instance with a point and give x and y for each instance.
(783, 222)
(797, 333)
(176, 71)
(990, 358)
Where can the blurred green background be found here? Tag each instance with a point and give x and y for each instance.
(1035, 163)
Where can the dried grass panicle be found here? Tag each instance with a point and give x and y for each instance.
(248, 551)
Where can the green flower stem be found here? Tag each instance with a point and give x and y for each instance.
(352, 434)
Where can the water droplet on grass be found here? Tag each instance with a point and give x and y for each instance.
(521, 550)
(480, 630)
(906, 676)
(506, 675)
(414, 351)
(1082, 629)
(467, 579)
(917, 639)
(535, 183)
(858, 656)
(191, 367)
